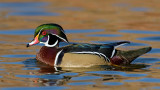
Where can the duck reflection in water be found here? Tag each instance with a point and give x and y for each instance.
(60, 72)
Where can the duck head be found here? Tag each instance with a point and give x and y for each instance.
(48, 34)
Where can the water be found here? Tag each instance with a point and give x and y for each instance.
(85, 22)
(31, 31)
(26, 9)
(153, 39)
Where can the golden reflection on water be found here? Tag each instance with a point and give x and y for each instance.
(111, 16)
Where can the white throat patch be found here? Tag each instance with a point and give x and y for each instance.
(46, 43)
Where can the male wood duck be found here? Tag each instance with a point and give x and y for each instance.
(79, 55)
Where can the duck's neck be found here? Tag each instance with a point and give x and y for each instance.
(47, 55)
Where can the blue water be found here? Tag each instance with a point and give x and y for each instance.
(155, 50)
(85, 78)
(146, 80)
(81, 83)
(146, 60)
(152, 39)
(18, 56)
(31, 31)
(104, 35)
(139, 31)
(33, 13)
(27, 9)
(36, 88)
(32, 68)
(117, 73)
(140, 9)
(52, 76)
(113, 83)
(13, 5)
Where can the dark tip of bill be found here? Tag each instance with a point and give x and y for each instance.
(27, 45)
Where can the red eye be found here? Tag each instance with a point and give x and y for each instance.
(44, 33)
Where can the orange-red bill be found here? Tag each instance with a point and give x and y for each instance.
(35, 41)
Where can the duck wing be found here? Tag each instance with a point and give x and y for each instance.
(103, 50)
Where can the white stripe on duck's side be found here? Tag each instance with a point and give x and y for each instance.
(56, 59)
(113, 53)
(97, 53)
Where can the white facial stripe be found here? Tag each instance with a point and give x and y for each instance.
(97, 53)
(40, 31)
(113, 52)
(60, 37)
(56, 59)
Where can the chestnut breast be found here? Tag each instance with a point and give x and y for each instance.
(47, 55)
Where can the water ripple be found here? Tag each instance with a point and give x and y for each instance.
(155, 50)
(139, 31)
(31, 31)
(41, 76)
(81, 83)
(117, 73)
(21, 4)
(154, 38)
(151, 80)
(70, 31)
(31, 68)
(36, 88)
(18, 56)
(69, 74)
(140, 9)
(146, 60)
(156, 88)
(104, 35)
(113, 83)
(33, 13)
(27, 9)
(86, 78)
(11, 63)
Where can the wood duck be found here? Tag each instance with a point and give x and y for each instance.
(79, 55)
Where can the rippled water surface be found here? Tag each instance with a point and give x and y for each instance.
(84, 21)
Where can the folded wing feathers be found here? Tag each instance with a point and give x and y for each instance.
(101, 54)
